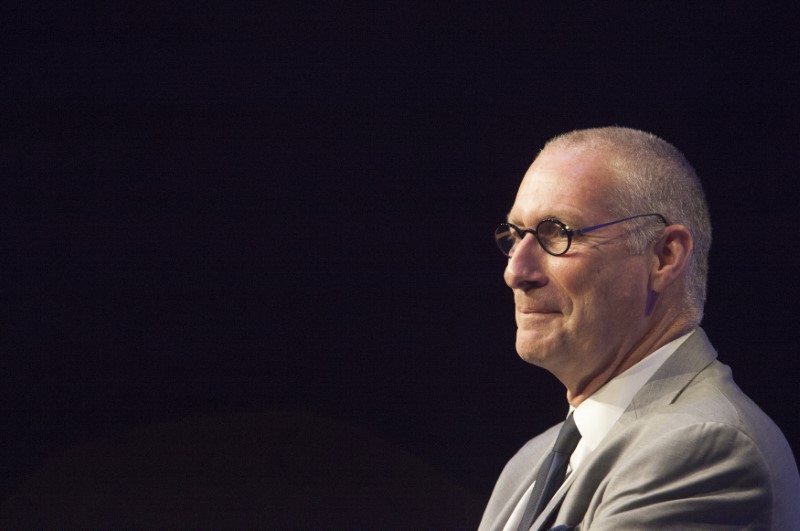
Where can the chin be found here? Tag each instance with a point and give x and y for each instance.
(531, 355)
(535, 349)
(533, 360)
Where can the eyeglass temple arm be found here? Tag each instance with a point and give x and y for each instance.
(595, 227)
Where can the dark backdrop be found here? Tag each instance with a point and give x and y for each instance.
(233, 207)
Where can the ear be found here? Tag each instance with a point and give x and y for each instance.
(670, 256)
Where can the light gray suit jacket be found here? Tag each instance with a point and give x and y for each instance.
(690, 452)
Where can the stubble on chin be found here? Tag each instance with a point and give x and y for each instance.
(543, 346)
(530, 349)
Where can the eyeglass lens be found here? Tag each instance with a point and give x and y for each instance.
(551, 235)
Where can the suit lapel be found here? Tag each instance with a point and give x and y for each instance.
(553, 505)
(526, 480)
(663, 388)
(670, 380)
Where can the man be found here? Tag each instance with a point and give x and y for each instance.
(607, 245)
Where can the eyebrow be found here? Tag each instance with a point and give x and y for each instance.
(516, 221)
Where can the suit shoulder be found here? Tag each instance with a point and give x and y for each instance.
(714, 397)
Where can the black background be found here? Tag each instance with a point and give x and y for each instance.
(256, 206)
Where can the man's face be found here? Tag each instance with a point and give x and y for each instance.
(580, 313)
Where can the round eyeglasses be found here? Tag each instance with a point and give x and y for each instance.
(553, 235)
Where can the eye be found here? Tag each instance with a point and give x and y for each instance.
(551, 230)
(553, 235)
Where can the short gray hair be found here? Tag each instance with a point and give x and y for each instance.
(653, 177)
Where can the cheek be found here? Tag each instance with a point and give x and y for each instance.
(584, 287)
(622, 296)
(602, 294)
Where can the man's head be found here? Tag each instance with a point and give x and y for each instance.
(620, 291)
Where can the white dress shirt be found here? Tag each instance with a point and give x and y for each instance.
(597, 414)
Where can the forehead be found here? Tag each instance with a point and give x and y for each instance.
(572, 185)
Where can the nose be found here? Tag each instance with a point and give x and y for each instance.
(525, 268)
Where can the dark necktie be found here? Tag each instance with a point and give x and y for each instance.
(552, 473)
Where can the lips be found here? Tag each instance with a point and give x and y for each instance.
(536, 311)
(536, 305)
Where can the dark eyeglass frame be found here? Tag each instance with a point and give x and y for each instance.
(504, 227)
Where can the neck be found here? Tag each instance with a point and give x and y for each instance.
(581, 388)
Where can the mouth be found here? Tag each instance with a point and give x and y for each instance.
(536, 311)
(527, 317)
